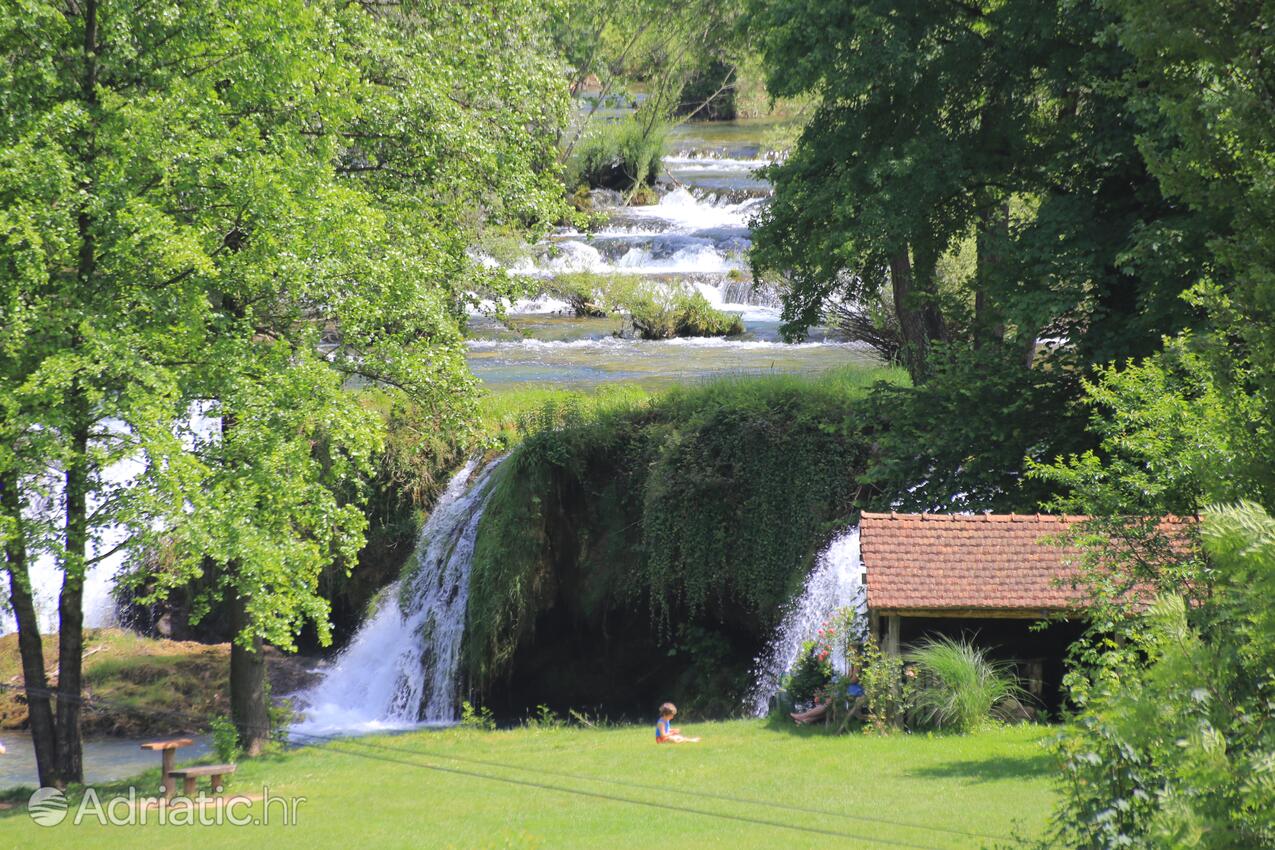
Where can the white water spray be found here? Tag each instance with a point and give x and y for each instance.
(836, 582)
(400, 670)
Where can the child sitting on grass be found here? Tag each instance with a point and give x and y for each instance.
(665, 733)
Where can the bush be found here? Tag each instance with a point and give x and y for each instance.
(810, 676)
(480, 718)
(654, 311)
(1178, 750)
(657, 314)
(584, 291)
(621, 155)
(888, 695)
(960, 688)
(225, 738)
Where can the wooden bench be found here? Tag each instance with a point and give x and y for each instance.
(190, 775)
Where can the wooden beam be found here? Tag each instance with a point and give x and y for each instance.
(892, 628)
(970, 613)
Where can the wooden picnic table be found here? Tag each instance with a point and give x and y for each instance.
(167, 750)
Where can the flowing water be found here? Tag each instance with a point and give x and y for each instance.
(836, 582)
(400, 670)
(105, 759)
(695, 238)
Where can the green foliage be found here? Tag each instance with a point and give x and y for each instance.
(1177, 751)
(703, 502)
(959, 687)
(958, 441)
(622, 154)
(1203, 91)
(613, 46)
(657, 314)
(225, 738)
(810, 676)
(889, 696)
(938, 120)
(1165, 445)
(653, 310)
(479, 718)
(544, 718)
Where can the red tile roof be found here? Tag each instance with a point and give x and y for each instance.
(995, 563)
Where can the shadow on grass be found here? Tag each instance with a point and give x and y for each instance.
(779, 722)
(991, 769)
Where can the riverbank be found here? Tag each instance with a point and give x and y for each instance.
(749, 784)
(137, 686)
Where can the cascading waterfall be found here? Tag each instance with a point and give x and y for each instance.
(400, 670)
(835, 582)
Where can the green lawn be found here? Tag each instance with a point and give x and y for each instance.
(543, 788)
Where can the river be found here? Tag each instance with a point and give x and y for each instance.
(698, 236)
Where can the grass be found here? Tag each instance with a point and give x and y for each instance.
(962, 687)
(867, 791)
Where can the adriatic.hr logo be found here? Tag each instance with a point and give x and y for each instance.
(47, 806)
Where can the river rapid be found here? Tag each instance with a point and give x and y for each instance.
(697, 236)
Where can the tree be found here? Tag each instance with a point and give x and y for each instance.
(93, 331)
(662, 44)
(1206, 93)
(940, 123)
(216, 215)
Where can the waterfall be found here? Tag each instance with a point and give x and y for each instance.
(835, 582)
(400, 670)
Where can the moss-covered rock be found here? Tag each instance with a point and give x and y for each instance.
(646, 552)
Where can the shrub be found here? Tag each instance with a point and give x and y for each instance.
(480, 718)
(584, 291)
(889, 697)
(622, 155)
(659, 314)
(810, 675)
(1178, 750)
(960, 688)
(654, 311)
(544, 718)
(225, 738)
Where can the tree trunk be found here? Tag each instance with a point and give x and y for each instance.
(30, 647)
(71, 599)
(993, 233)
(926, 290)
(915, 345)
(919, 318)
(248, 698)
(70, 754)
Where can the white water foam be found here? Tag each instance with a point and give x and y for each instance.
(836, 582)
(400, 670)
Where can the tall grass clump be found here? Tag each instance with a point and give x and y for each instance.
(960, 687)
(620, 155)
